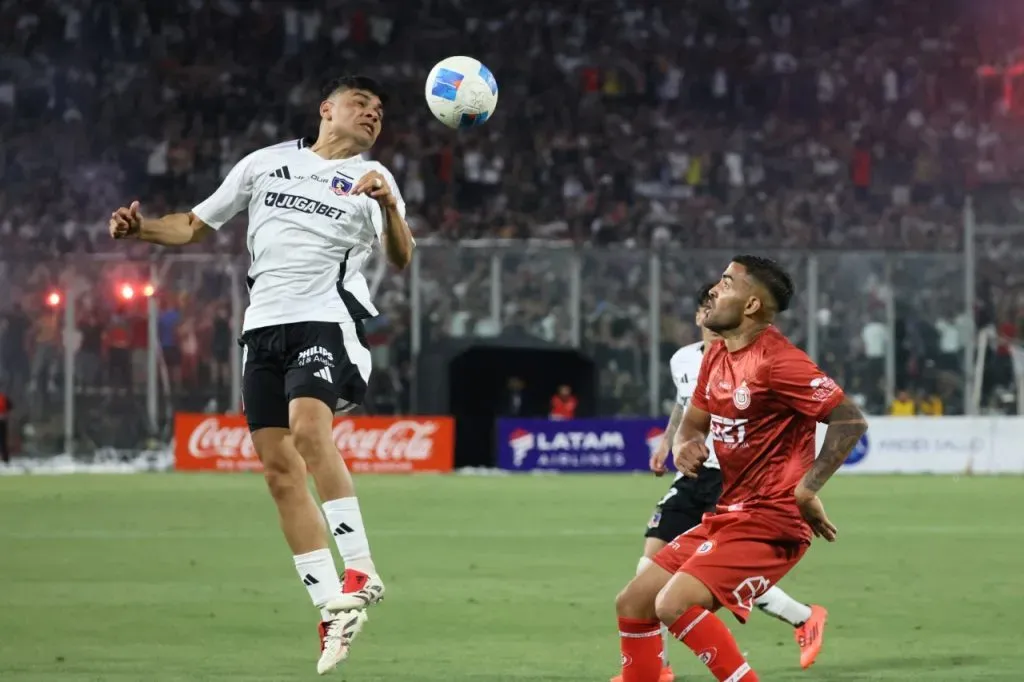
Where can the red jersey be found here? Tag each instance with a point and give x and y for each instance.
(563, 408)
(765, 401)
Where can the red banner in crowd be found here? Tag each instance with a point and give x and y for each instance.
(372, 445)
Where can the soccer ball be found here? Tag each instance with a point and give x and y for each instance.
(461, 92)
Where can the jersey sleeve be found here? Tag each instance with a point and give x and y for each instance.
(683, 394)
(699, 399)
(679, 369)
(231, 197)
(801, 385)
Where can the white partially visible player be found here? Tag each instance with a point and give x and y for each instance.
(316, 210)
(682, 507)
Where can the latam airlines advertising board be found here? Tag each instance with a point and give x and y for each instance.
(578, 445)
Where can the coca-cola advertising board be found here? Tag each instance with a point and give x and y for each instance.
(371, 445)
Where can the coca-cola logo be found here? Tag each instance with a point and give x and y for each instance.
(406, 439)
(211, 439)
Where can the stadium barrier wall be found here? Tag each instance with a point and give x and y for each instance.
(892, 445)
(377, 445)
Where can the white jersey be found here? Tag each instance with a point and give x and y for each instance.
(685, 366)
(308, 236)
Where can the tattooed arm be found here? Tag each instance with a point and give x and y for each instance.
(674, 420)
(846, 424)
(660, 455)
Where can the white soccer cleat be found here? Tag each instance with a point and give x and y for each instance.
(359, 591)
(336, 637)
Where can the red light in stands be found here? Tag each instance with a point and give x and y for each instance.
(53, 299)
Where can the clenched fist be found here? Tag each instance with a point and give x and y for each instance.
(126, 222)
(690, 455)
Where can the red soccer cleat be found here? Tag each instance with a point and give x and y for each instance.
(811, 635)
(666, 675)
(359, 590)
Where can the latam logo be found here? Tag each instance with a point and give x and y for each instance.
(654, 437)
(859, 452)
(521, 441)
(568, 449)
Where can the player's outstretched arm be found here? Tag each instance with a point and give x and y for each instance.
(175, 229)
(846, 424)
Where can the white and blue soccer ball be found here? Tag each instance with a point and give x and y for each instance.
(461, 92)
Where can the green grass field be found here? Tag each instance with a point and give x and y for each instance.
(185, 577)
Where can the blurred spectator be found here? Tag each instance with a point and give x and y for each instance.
(514, 402)
(903, 405)
(563, 404)
(930, 405)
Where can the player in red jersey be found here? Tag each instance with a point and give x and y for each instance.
(760, 397)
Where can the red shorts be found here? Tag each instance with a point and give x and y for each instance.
(737, 555)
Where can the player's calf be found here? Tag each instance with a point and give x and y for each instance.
(639, 628)
(685, 605)
(311, 421)
(285, 475)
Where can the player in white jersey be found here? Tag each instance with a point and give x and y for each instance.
(682, 507)
(316, 209)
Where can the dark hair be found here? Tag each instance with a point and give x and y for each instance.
(771, 276)
(704, 295)
(355, 82)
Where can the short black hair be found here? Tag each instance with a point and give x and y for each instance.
(354, 82)
(704, 295)
(771, 276)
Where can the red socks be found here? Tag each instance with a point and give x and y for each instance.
(710, 639)
(641, 649)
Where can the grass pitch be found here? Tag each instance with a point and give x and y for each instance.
(496, 579)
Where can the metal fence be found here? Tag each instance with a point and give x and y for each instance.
(868, 318)
(92, 361)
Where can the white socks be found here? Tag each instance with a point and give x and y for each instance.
(320, 576)
(777, 603)
(345, 523)
(317, 570)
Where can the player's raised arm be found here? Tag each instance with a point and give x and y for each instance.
(178, 229)
(392, 230)
(175, 229)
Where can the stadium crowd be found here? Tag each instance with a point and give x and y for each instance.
(851, 130)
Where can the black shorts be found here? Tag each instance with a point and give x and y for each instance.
(323, 360)
(684, 504)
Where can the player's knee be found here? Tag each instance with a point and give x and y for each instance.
(668, 607)
(284, 473)
(679, 596)
(629, 603)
